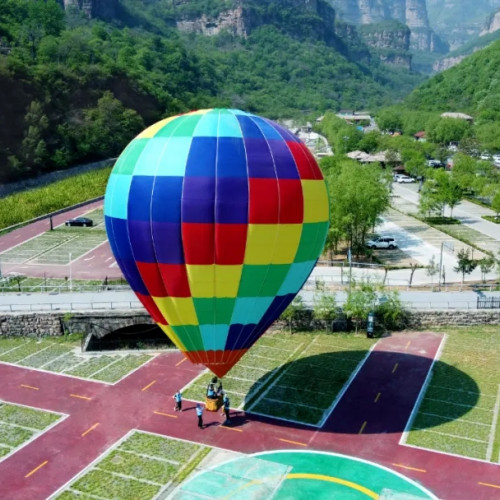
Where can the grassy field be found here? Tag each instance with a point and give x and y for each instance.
(141, 466)
(19, 424)
(29, 204)
(60, 355)
(460, 414)
(269, 379)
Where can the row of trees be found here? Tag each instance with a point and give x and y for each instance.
(364, 297)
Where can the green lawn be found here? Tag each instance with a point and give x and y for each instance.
(457, 413)
(62, 355)
(270, 378)
(140, 467)
(19, 424)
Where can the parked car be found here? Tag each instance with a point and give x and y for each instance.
(434, 163)
(404, 179)
(382, 242)
(80, 221)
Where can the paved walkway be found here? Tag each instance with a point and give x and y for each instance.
(367, 422)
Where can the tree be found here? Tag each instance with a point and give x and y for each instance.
(359, 195)
(432, 268)
(440, 191)
(324, 306)
(495, 203)
(295, 309)
(486, 264)
(413, 267)
(390, 311)
(465, 264)
(360, 301)
(446, 130)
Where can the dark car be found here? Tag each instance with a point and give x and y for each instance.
(80, 221)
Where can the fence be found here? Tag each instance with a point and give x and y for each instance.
(72, 306)
(488, 303)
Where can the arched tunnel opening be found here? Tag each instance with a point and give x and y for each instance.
(141, 336)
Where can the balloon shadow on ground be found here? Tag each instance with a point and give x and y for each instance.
(384, 392)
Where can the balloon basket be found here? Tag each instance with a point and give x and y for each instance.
(213, 404)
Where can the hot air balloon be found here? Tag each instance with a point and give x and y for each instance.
(216, 219)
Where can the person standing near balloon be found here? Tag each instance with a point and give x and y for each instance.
(226, 405)
(178, 401)
(199, 414)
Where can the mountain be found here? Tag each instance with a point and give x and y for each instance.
(457, 21)
(413, 13)
(472, 87)
(79, 78)
(489, 33)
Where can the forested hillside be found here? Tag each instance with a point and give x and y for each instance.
(75, 89)
(471, 87)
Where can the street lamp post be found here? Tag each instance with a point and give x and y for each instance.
(450, 246)
(70, 274)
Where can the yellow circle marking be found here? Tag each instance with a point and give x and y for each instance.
(343, 482)
(317, 477)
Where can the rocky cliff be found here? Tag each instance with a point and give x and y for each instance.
(492, 24)
(413, 13)
(103, 9)
(389, 41)
(243, 16)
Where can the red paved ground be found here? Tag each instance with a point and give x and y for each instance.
(97, 264)
(95, 424)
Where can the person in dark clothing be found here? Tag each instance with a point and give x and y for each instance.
(226, 407)
(178, 401)
(199, 414)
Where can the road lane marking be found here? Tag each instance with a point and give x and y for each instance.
(293, 442)
(30, 387)
(90, 429)
(489, 485)
(164, 414)
(148, 386)
(37, 468)
(230, 428)
(181, 361)
(80, 397)
(409, 468)
(395, 367)
(362, 427)
(377, 397)
(407, 345)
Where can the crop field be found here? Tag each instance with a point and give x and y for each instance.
(459, 412)
(63, 356)
(19, 424)
(141, 466)
(61, 244)
(265, 380)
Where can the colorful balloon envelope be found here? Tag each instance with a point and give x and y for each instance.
(216, 219)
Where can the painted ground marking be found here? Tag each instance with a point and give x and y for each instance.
(90, 429)
(148, 386)
(362, 427)
(79, 396)
(164, 414)
(293, 442)
(409, 468)
(181, 361)
(331, 479)
(37, 468)
(230, 428)
(30, 387)
(407, 345)
(377, 397)
(395, 367)
(489, 485)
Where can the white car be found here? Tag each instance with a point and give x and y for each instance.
(382, 242)
(404, 179)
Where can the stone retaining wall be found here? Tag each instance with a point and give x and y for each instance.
(56, 323)
(100, 324)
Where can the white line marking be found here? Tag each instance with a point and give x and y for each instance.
(489, 452)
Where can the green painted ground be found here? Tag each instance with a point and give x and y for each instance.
(299, 475)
